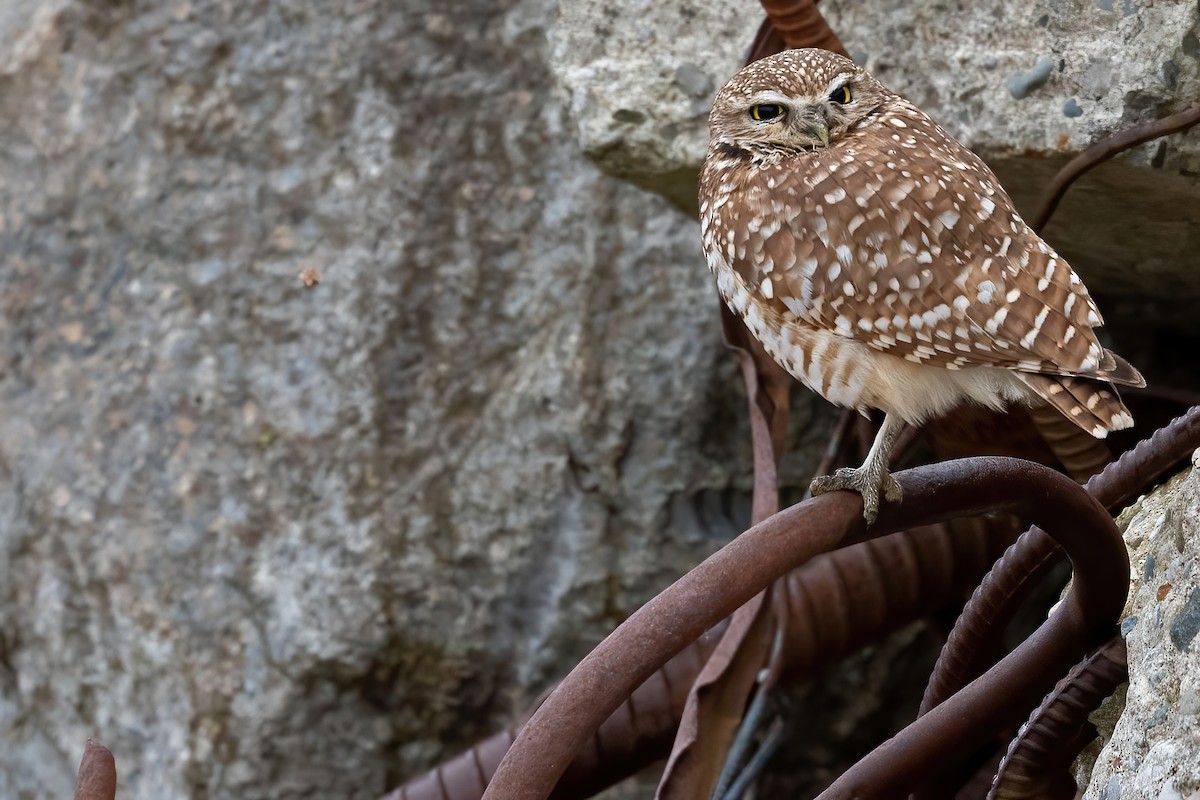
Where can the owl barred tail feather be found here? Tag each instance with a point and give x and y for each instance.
(1090, 401)
(1092, 404)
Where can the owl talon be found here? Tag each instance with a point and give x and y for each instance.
(860, 480)
(891, 489)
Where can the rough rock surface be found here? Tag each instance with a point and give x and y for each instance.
(1154, 751)
(265, 540)
(1025, 85)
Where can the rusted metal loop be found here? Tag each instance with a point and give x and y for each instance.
(837, 603)
(1034, 553)
(957, 727)
(713, 590)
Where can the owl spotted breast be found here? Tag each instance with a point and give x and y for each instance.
(879, 261)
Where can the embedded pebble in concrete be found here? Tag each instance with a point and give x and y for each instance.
(1024, 84)
(1072, 109)
(1185, 626)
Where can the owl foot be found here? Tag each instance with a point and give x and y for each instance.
(862, 481)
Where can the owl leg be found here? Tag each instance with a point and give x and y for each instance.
(872, 478)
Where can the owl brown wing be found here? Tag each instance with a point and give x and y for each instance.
(900, 238)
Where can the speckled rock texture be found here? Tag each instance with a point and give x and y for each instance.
(1154, 751)
(269, 541)
(1027, 85)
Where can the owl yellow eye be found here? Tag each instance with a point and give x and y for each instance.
(764, 112)
(841, 95)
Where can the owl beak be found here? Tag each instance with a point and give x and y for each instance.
(815, 125)
(820, 130)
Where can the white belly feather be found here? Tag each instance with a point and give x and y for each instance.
(851, 374)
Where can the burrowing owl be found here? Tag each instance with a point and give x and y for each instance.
(879, 261)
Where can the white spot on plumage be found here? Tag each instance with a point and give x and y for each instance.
(1032, 334)
(948, 219)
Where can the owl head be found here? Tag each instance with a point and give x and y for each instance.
(794, 101)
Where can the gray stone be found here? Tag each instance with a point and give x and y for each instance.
(1152, 742)
(604, 65)
(266, 541)
(1071, 109)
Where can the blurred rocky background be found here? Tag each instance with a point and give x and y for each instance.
(267, 540)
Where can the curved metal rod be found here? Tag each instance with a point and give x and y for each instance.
(957, 727)
(1031, 557)
(547, 743)
(1105, 149)
(636, 735)
(1038, 763)
(837, 603)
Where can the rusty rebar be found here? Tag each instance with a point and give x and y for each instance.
(800, 24)
(1037, 765)
(1081, 454)
(957, 727)
(726, 580)
(97, 778)
(1032, 556)
(635, 735)
(1139, 468)
(891, 580)
(1105, 149)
